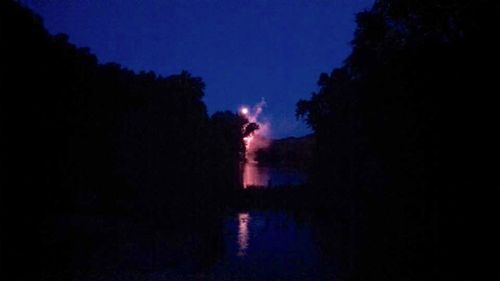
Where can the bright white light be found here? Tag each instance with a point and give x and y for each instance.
(244, 110)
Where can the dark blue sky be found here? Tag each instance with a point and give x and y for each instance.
(243, 50)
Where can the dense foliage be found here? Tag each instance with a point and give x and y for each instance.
(71, 122)
(83, 138)
(396, 98)
(396, 128)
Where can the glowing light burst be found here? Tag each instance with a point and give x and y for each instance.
(257, 139)
(244, 110)
(247, 140)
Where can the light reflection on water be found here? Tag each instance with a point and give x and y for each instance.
(255, 175)
(266, 176)
(269, 245)
(243, 233)
(249, 245)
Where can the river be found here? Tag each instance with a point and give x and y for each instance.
(245, 245)
(269, 245)
(258, 175)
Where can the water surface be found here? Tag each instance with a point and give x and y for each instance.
(245, 245)
(269, 245)
(255, 174)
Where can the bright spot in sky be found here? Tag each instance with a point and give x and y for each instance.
(256, 140)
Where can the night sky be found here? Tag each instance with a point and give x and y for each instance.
(243, 50)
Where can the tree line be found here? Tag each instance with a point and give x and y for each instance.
(81, 137)
(398, 130)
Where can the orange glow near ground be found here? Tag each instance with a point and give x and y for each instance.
(255, 176)
(248, 140)
(253, 142)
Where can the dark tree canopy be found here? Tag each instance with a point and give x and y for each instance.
(80, 138)
(397, 124)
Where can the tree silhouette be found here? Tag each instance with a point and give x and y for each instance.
(391, 129)
(80, 138)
